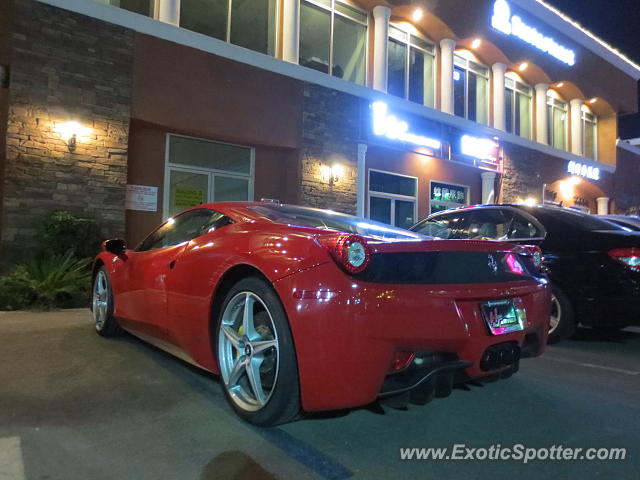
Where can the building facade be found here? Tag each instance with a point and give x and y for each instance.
(129, 111)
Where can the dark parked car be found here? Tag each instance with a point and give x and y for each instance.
(629, 221)
(593, 264)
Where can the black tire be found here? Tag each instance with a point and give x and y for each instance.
(107, 327)
(566, 326)
(283, 403)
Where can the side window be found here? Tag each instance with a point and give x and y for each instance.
(522, 227)
(183, 228)
(490, 224)
(450, 226)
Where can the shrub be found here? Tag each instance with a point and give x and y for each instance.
(61, 231)
(47, 281)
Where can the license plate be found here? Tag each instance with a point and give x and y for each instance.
(502, 316)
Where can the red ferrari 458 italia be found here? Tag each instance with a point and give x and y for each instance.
(299, 309)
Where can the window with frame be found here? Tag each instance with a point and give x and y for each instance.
(392, 198)
(557, 123)
(201, 171)
(248, 23)
(411, 67)
(518, 107)
(445, 196)
(470, 90)
(589, 133)
(333, 39)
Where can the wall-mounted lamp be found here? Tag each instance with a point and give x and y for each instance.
(476, 43)
(69, 132)
(523, 66)
(417, 15)
(332, 174)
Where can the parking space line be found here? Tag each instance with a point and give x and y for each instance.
(305, 454)
(11, 466)
(591, 365)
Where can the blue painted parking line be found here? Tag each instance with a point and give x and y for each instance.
(305, 454)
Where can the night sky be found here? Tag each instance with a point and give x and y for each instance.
(617, 22)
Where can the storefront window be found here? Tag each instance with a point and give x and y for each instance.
(444, 196)
(557, 123)
(252, 21)
(333, 39)
(411, 67)
(589, 133)
(470, 90)
(143, 7)
(201, 171)
(392, 198)
(518, 100)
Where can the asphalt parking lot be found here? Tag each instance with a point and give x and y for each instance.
(76, 406)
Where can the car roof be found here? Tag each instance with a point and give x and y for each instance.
(518, 206)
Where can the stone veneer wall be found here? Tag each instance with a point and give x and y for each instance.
(331, 122)
(627, 183)
(522, 174)
(65, 67)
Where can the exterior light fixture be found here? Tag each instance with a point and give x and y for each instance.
(530, 202)
(560, 85)
(69, 132)
(332, 174)
(417, 15)
(476, 43)
(523, 66)
(593, 100)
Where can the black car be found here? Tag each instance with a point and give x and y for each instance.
(593, 264)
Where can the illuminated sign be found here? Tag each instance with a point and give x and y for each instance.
(480, 148)
(508, 24)
(386, 125)
(586, 171)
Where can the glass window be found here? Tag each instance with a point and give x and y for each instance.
(411, 61)
(518, 101)
(208, 17)
(557, 123)
(447, 226)
(392, 198)
(253, 22)
(333, 39)
(490, 224)
(471, 90)
(183, 228)
(143, 7)
(444, 196)
(253, 25)
(590, 134)
(201, 171)
(522, 227)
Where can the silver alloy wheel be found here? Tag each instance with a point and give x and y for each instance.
(248, 352)
(556, 314)
(100, 299)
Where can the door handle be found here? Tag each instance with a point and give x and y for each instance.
(172, 264)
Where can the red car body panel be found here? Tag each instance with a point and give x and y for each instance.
(344, 345)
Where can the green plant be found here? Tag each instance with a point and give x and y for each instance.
(61, 231)
(47, 281)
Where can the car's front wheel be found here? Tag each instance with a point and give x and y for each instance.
(256, 356)
(102, 305)
(562, 322)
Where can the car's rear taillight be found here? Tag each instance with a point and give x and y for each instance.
(629, 257)
(351, 252)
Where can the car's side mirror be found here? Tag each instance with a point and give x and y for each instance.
(115, 246)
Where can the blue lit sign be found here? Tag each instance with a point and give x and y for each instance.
(386, 125)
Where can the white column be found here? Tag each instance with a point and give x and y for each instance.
(488, 187)
(542, 118)
(576, 126)
(499, 119)
(361, 179)
(291, 30)
(603, 205)
(447, 46)
(169, 11)
(381, 17)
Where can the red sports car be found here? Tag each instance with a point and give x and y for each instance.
(300, 309)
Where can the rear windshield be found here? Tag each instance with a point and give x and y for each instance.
(574, 218)
(334, 221)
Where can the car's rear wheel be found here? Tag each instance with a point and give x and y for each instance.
(562, 322)
(102, 305)
(256, 356)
